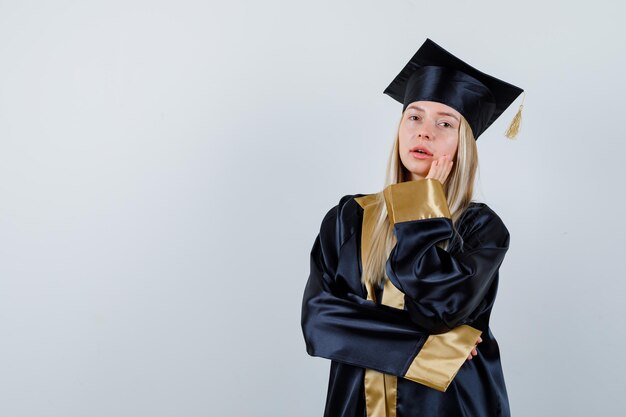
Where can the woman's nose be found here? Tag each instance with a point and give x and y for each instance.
(424, 135)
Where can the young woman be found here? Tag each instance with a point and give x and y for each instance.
(403, 281)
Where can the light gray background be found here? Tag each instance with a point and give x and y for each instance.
(165, 166)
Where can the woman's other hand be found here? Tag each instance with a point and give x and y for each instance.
(440, 168)
(474, 352)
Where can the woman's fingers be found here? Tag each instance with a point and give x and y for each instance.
(446, 167)
(473, 353)
(435, 171)
(440, 168)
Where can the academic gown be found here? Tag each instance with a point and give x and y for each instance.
(401, 350)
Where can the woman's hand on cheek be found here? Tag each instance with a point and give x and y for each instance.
(440, 168)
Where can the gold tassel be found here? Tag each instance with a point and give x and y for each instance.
(514, 127)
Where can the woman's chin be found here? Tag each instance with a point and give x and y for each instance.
(418, 168)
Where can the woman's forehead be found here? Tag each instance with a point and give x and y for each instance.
(433, 106)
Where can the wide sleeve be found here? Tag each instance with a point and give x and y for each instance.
(442, 290)
(343, 326)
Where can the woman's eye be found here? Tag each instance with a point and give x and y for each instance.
(446, 124)
(412, 117)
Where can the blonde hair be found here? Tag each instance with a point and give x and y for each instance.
(459, 189)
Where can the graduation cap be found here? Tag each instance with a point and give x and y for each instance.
(434, 74)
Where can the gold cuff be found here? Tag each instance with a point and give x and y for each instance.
(416, 200)
(441, 357)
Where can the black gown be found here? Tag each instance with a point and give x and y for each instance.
(407, 355)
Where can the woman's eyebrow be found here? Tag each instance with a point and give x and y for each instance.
(412, 106)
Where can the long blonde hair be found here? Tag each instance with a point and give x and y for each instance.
(459, 189)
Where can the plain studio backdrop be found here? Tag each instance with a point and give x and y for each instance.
(165, 166)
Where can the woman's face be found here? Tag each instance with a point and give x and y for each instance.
(431, 126)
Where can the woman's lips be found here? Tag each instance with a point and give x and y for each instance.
(418, 155)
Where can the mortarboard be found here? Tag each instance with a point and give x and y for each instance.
(434, 74)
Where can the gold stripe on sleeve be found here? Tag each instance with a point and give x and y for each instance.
(416, 200)
(441, 357)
